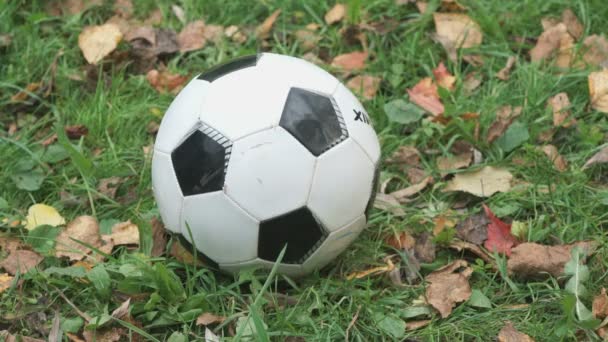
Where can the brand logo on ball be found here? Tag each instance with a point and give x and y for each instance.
(360, 115)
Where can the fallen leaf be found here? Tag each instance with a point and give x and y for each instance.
(425, 95)
(441, 222)
(96, 42)
(8, 337)
(42, 214)
(25, 94)
(372, 271)
(364, 85)
(234, 32)
(5, 40)
(481, 183)
(192, 36)
(471, 82)
(595, 50)
(125, 233)
(165, 81)
(460, 246)
(307, 38)
(574, 26)
(598, 90)
(443, 77)
(598, 158)
(405, 154)
(154, 18)
(509, 334)
(335, 14)
(106, 335)
(20, 261)
(448, 286)
(207, 318)
(109, 186)
(424, 250)
(565, 53)
(263, 31)
(560, 106)
(214, 33)
(451, 163)
(558, 161)
(350, 61)
(148, 44)
(63, 7)
(413, 325)
(403, 194)
(599, 307)
(416, 175)
(531, 260)
(181, 254)
(504, 118)
(455, 31)
(122, 311)
(76, 131)
(123, 8)
(401, 240)
(473, 229)
(388, 203)
(500, 239)
(179, 13)
(420, 5)
(159, 237)
(550, 41)
(505, 72)
(84, 229)
(6, 281)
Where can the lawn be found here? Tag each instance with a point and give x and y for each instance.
(77, 137)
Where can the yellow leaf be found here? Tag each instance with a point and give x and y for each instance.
(598, 90)
(374, 270)
(5, 281)
(335, 14)
(96, 42)
(39, 214)
(481, 183)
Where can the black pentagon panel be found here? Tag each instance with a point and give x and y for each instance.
(228, 67)
(200, 162)
(200, 255)
(372, 196)
(314, 119)
(299, 230)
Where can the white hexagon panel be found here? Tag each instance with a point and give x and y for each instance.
(166, 190)
(242, 99)
(217, 222)
(269, 173)
(342, 185)
(335, 244)
(358, 122)
(182, 117)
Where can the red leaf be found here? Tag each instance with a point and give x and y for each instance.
(499, 234)
(424, 94)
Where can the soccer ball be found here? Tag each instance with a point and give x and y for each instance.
(262, 152)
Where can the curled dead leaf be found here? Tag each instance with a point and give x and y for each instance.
(372, 271)
(234, 32)
(401, 240)
(413, 325)
(335, 14)
(76, 131)
(364, 85)
(531, 260)
(263, 31)
(504, 118)
(451, 163)
(448, 286)
(560, 106)
(165, 81)
(96, 42)
(352, 61)
(424, 94)
(403, 194)
(455, 31)
(482, 183)
(84, 229)
(6, 281)
(595, 50)
(505, 72)
(108, 186)
(20, 261)
(192, 36)
(125, 233)
(443, 77)
(599, 308)
(509, 334)
(573, 25)
(207, 318)
(598, 90)
(598, 158)
(553, 154)
(554, 39)
(405, 154)
(388, 203)
(307, 38)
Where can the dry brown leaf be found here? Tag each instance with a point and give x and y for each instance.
(192, 36)
(441, 222)
(598, 90)
(451, 163)
(84, 229)
(474, 228)
(553, 39)
(372, 271)
(263, 31)
(41, 214)
(553, 154)
(532, 260)
(509, 334)
(425, 248)
(460, 245)
(505, 72)
(504, 118)
(448, 286)
(352, 61)
(388, 203)
(107, 335)
(159, 237)
(598, 158)
(595, 50)
(364, 85)
(408, 155)
(180, 253)
(560, 106)
(125, 233)
(424, 94)
(6, 281)
(154, 18)
(234, 32)
(20, 261)
(482, 183)
(416, 175)
(24, 94)
(335, 14)
(403, 194)
(214, 33)
(574, 26)
(471, 82)
(307, 38)
(565, 54)
(165, 81)
(421, 6)
(599, 308)
(63, 7)
(123, 310)
(96, 42)
(179, 12)
(76, 131)
(109, 186)
(443, 77)
(455, 31)
(207, 318)
(123, 8)
(401, 240)
(413, 325)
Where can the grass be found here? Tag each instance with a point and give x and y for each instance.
(117, 108)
